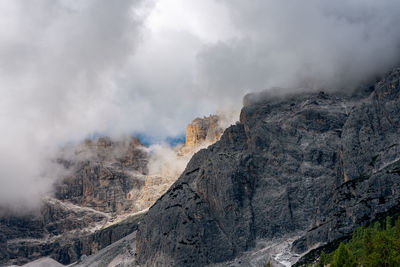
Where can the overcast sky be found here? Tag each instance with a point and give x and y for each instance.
(71, 69)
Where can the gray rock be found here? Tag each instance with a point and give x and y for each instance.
(317, 163)
(44, 262)
(62, 231)
(120, 254)
(103, 174)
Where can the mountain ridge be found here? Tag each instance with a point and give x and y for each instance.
(311, 162)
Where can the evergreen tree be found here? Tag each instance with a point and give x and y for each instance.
(343, 257)
(388, 224)
(322, 260)
(383, 253)
(374, 246)
(368, 244)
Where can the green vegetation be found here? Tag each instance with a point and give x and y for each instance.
(373, 246)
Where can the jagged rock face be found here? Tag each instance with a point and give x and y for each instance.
(202, 130)
(105, 175)
(317, 163)
(370, 164)
(99, 187)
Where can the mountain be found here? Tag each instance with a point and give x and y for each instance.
(106, 189)
(306, 167)
(297, 172)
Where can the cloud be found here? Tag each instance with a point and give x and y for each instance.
(166, 161)
(312, 44)
(71, 69)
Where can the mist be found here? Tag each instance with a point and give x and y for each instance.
(70, 70)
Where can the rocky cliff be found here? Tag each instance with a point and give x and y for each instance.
(313, 165)
(201, 130)
(104, 175)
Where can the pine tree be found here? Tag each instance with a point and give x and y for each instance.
(343, 257)
(374, 246)
(388, 224)
(322, 260)
(368, 244)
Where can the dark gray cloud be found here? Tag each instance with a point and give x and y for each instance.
(69, 69)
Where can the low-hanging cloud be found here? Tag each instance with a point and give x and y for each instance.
(312, 44)
(69, 70)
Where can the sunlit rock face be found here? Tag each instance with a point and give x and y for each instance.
(201, 133)
(203, 130)
(311, 164)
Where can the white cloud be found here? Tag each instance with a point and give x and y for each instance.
(317, 44)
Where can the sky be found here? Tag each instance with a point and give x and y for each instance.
(71, 69)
